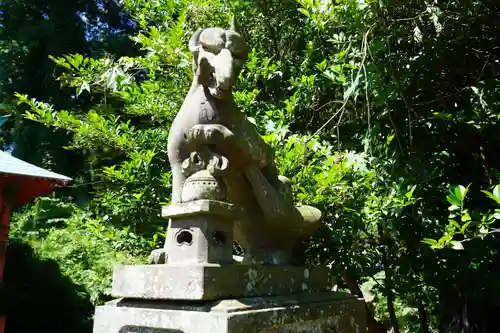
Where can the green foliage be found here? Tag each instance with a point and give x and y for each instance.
(127, 126)
(32, 31)
(463, 225)
(85, 248)
(373, 289)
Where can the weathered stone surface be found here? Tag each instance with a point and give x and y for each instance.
(301, 313)
(194, 208)
(200, 232)
(208, 282)
(216, 153)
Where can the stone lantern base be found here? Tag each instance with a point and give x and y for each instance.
(327, 312)
(212, 282)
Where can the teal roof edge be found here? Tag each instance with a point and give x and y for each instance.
(14, 166)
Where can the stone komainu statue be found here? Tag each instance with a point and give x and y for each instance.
(215, 153)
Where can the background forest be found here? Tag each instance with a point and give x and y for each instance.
(385, 113)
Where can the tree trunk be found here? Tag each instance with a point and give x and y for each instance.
(422, 316)
(390, 309)
(389, 293)
(372, 324)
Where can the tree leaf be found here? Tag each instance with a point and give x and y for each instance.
(460, 192)
(455, 224)
(83, 87)
(492, 196)
(464, 227)
(352, 87)
(453, 200)
(430, 241)
(305, 12)
(466, 217)
(496, 192)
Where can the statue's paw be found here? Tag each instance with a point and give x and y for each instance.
(195, 133)
(208, 134)
(310, 214)
(285, 180)
(157, 257)
(237, 259)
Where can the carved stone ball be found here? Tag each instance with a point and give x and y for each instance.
(203, 186)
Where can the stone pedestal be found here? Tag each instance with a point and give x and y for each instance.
(331, 312)
(201, 290)
(212, 282)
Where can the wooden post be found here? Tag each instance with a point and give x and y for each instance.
(4, 239)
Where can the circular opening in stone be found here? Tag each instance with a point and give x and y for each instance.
(219, 237)
(184, 236)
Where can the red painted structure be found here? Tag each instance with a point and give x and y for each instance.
(20, 182)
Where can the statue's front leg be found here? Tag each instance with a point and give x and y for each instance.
(267, 187)
(211, 134)
(178, 180)
(236, 148)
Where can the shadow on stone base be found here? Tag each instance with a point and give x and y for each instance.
(331, 312)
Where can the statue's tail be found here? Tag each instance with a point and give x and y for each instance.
(277, 209)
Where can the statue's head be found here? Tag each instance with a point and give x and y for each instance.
(218, 57)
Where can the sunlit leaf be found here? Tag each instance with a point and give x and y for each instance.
(456, 245)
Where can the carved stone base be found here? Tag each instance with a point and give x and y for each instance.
(209, 282)
(302, 313)
(200, 231)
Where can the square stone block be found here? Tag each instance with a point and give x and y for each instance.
(332, 312)
(200, 232)
(200, 239)
(210, 282)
